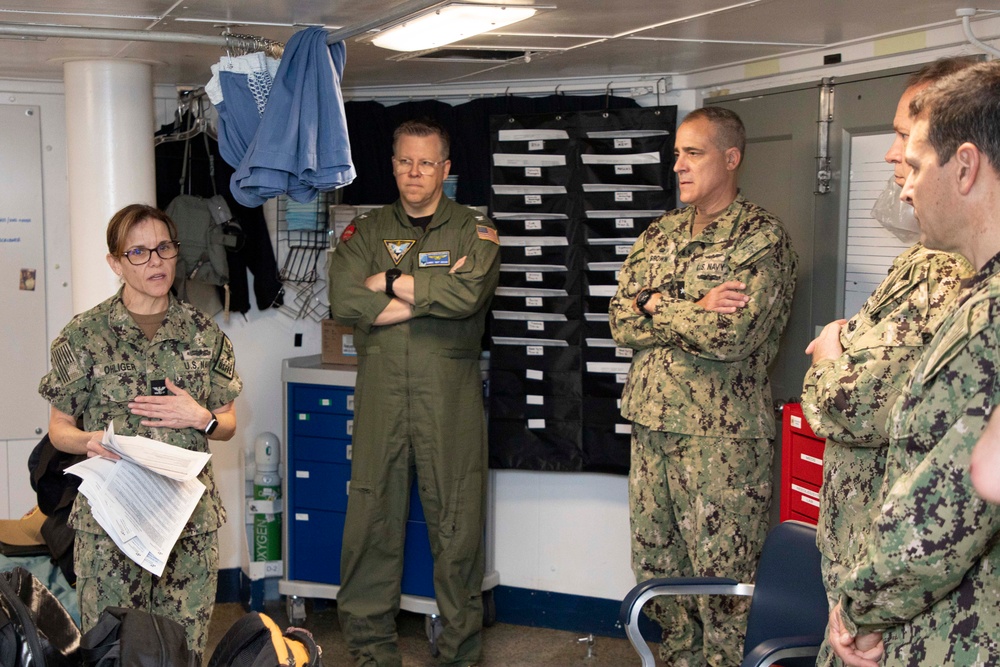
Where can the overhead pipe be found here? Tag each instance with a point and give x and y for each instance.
(398, 13)
(966, 14)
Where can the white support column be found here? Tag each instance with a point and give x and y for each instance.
(110, 162)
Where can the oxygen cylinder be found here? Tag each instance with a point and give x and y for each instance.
(267, 487)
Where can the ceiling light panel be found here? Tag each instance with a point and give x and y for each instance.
(448, 24)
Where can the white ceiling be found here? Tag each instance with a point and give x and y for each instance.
(579, 38)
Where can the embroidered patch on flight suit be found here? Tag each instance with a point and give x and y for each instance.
(487, 234)
(348, 232)
(398, 248)
(225, 360)
(434, 258)
(65, 363)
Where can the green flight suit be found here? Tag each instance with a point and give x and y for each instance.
(418, 408)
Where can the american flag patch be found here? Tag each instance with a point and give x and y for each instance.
(487, 234)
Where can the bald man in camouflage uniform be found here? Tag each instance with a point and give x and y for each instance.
(926, 582)
(702, 298)
(100, 362)
(860, 368)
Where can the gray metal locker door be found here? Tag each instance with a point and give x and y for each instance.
(22, 274)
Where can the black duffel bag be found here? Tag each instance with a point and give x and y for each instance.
(135, 638)
(35, 629)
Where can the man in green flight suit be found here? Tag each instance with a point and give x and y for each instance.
(923, 591)
(702, 299)
(415, 280)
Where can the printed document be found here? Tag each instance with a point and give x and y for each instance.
(143, 500)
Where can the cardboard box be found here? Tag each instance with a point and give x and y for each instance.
(338, 344)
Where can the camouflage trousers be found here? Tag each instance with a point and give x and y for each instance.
(185, 592)
(699, 507)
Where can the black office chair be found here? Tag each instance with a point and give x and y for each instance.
(788, 612)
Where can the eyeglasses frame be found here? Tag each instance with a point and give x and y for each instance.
(176, 244)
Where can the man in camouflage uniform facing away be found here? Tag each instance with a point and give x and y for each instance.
(702, 298)
(926, 582)
(860, 367)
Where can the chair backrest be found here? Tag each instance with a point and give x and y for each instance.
(789, 598)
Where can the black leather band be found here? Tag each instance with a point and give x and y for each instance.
(390, 278)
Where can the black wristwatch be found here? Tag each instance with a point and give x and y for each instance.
(390, 278)
(213, 424)
(642, 299)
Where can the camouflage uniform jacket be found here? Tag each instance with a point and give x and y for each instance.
(697, 372)
(930, 570)
(847, 400)
(101, 359)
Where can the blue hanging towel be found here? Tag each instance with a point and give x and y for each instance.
(301, 147)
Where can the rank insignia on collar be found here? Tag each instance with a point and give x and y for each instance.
(398, 248)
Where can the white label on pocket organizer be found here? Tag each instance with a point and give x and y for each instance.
(533, 172)
(302, 474)
(623, 169)
(623, 196)
(811, 459)
(623, 143)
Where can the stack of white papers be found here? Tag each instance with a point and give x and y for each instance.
(143, 500)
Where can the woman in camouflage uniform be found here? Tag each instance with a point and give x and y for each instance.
(157, 368)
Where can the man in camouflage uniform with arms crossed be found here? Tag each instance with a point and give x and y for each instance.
(860, 366)
(924, 588)
(703, 298)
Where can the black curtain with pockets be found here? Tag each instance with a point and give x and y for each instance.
(570, 194)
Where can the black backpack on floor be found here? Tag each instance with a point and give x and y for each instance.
(135, 638)
(257, 641)
(35, 629)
